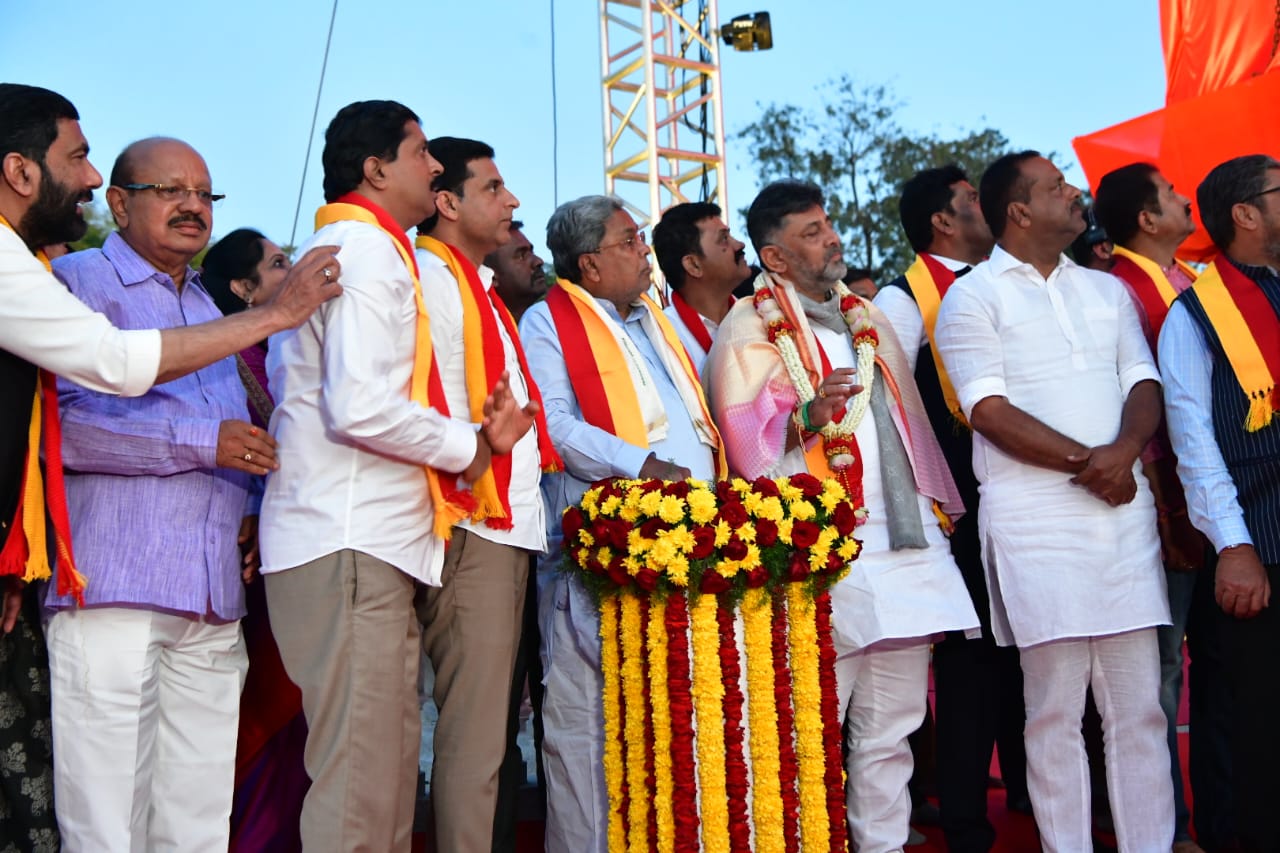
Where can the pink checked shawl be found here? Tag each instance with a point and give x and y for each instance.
(752, 399)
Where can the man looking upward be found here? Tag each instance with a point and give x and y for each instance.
(702, 263)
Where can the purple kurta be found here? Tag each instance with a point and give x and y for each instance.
(154, 522)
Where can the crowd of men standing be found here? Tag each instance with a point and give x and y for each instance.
(1044, 525)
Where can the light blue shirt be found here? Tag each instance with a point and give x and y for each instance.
(591, 453)
(1186, 369)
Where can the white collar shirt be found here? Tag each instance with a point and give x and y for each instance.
(353, 446)
(444, 305)
(1067, 350)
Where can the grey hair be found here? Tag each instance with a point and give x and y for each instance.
(1227, 185)
(575, 229)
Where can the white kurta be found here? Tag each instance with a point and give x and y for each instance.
(1067, 350)
(912, 592)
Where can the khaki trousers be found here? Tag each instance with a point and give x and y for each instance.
(471, 631)
(349, 639)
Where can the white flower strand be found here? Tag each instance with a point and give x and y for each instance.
(858, 320)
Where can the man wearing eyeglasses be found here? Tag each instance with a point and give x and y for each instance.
(1148, 220)
(596, 346)
(1219, 360)
(146, 670)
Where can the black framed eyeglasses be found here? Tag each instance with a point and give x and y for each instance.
(1260, 193)
(173, 192)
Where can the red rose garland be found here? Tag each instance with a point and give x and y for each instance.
(788, 768)
(680, 697)
(650, 775)
(832, 715)
(736, 784)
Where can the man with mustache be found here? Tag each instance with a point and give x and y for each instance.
(597, 322)
(1218, 351)
(45, 175)
(978, 684)
(1050, 368)
(146, 663)
(1148, 219)
(702, 263)
(519, 275)
(777, 420)
(471, 620)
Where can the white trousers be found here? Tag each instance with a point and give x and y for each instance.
(883, 689)
(145, 710)
(1124, 671)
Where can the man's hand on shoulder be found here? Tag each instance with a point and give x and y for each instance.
(311, 282)
(1241, 586)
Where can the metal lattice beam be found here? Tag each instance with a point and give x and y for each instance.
(663, 123)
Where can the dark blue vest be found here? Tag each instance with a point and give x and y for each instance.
(1252, 458)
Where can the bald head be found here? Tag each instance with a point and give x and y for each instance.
(159, 197)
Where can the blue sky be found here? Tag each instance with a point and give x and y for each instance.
(238, 79)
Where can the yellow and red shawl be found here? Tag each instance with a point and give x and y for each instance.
(1149, 284)
(1248, 330)
(451, 503)
(600, 376)
(26, 550)
(485, 363)
(928, 281)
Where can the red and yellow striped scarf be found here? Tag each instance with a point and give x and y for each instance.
(1149, 283)
(26, 550)
(485, 362)
(451, 503)
(1249, 331)
(598, 369)
(929, 281)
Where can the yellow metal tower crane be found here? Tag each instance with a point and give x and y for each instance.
(663, 118)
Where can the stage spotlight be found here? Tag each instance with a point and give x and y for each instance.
(748, 32)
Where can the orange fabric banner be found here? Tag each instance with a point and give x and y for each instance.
(1187, 139)
(1212, 44)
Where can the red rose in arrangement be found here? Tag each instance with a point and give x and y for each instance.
(620, 577)
(652, 527)
(757, 577)
(713, 583)
(834, 563)
(734, 513)
(571, 523)
(798, 568)
(766, 532)
(725, 492)
(615, 534)
(704, 542)
(804, 534)
(765, 486)
(647, 579)
(734, 549)
(844, 518)
(680, 489)
(809, 485)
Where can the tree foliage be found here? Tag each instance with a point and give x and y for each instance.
(854, 148)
